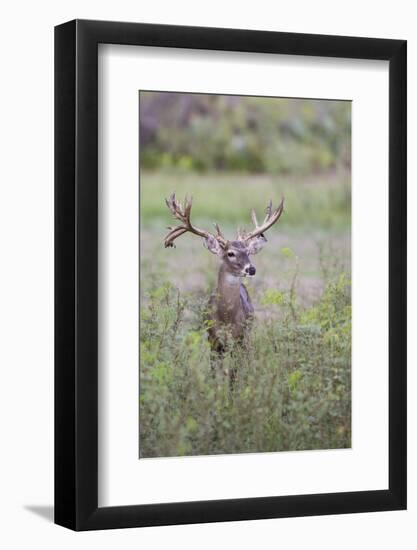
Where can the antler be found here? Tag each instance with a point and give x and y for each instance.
(182, 213)
(270, 218)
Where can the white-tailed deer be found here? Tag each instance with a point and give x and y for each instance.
(230, 306)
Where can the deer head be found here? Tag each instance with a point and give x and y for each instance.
(234, 254)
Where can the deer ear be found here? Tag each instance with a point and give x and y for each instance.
(256, 244)
(212, 244)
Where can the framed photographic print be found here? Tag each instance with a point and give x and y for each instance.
(230, 252)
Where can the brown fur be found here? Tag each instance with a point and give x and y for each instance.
(230, 307)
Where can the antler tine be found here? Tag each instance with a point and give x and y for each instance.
(270, 218)
(254, 218)
(220, 237)
(241, 234)
(183, 213)
(175, 207)
(172, 235)
(268, 211)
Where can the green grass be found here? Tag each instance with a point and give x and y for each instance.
(321, 202)
(292, 390)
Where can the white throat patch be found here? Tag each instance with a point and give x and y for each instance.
(231, 279)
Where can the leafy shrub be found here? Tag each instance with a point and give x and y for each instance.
(293, 384)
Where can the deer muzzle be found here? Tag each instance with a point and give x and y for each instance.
(250, 270)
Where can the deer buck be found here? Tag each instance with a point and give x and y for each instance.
(230, 307)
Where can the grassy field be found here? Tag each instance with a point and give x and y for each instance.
(293, 386)
(319, 202)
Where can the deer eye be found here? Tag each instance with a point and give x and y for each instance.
(231, 254)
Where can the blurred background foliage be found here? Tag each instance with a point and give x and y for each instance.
(200, 132)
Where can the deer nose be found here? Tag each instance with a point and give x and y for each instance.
(250, 270)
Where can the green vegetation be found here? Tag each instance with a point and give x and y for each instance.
(292, 390)
(320, 202)
(198, 132)
(293, 385)
(232, 154)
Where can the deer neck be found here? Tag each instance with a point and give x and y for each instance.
(228, 295)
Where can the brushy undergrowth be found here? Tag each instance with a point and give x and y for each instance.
(293, 385)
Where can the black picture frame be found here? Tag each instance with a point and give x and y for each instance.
(76, 273)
